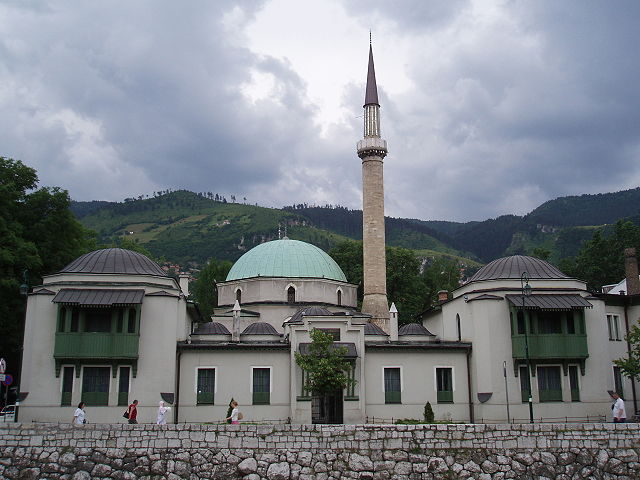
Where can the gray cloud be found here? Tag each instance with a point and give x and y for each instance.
(507, 106)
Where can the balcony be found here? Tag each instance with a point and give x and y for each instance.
(94, 345)
(551, 346)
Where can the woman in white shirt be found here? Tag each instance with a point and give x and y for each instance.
(79, 415)
(234, 413)
(162, 410)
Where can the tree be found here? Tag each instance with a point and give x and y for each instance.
(601, 259)
(38, 235)
(325, 366)
(204, 288)
(630, 366)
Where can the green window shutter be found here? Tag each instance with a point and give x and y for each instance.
(573, 383)
(95, 386)
(261, 386)
(67, 385)
(206, 386)
(392, 389)
(444, 380)
(549, 384)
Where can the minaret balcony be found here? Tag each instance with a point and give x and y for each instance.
(372, 146)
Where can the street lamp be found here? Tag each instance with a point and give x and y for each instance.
(24, 290)
(526, 291)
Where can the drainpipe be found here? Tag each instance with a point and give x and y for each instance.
(627, 300)
(471, 415)
(177, 387)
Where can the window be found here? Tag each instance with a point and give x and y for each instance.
(75, 320)
(291, 295)
(120, 321)
(392, 385)
(123, 386)
(339, 297)
(67, 385)
(613, 322)
(206, 386)
(333, 332)
(97, 321)
(444, 384)
(261, 385)
(131, 324)
(573, 383)
(458, 327)
(549, 322)
(571, 323)
(617, 381)
(549, 384)
(521, 323)
(239, 296)
(62, 319)
(95, 385)
(525, 384)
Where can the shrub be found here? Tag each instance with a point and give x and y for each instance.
(429, 416)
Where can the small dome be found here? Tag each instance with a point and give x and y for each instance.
(513, 267)
(313, 311)
(212, 328)
(260, 328)
(286, 258)
(414, 329)
(114, 260)
(373, 329)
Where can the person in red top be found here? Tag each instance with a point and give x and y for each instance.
(133, 412)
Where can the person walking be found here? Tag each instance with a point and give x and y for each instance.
(235, 414)
(617, 409)
(79, 417)
(162, 410)
(133, 412)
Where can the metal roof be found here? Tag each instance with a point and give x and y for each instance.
(549, 302)
(162, 293)
(312, 311)
(98, 297)
(286, 258)
(513, 267)
(414, 329)
(114, 260)
(371, 94)
(211, 328)
(260, 328)
(373, 329)
(42, 291)
(352, 352)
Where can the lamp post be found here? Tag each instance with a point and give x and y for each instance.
(526, 291)
(24, 290)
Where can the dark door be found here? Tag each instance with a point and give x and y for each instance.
(327, 409)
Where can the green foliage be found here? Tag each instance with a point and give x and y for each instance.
(324, 365)
(411, 285)
(601, 259)
(630, 366)
(428, 414)
(39, 236)
(128, 244)
(542, 253)
(204, 288)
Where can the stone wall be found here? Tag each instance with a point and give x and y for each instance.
(306, 452)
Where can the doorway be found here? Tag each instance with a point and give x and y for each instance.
(327, 408)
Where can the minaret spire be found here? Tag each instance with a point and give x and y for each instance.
(372, 149)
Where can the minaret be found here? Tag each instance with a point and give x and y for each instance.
(372, 149)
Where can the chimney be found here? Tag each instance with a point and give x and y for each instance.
(184, 283)
(443, 296)
(631, 271)
(393, 323)
(235, 330)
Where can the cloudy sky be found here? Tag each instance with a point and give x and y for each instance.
(489, 107)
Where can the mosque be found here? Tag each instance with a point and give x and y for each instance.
(521, 340)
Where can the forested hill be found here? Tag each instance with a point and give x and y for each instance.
(597, 209)
(184, 227)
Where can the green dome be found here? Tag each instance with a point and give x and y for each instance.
(286, 258)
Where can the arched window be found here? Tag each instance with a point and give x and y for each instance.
(239, 296)
(458, 327)
(339, 297)
(291, 295)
